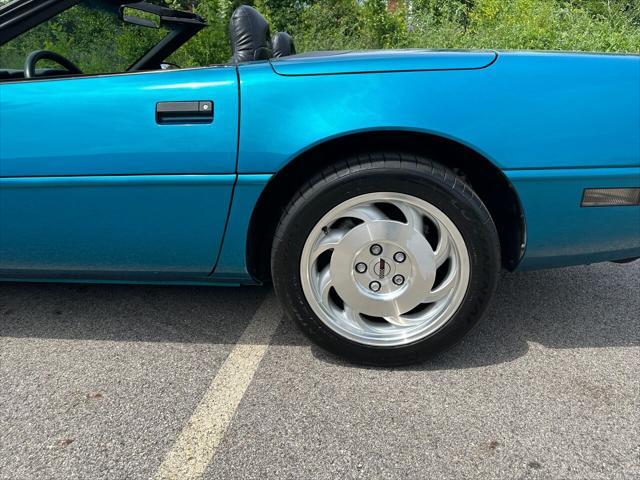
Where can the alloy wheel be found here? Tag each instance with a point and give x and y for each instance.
(385, 269)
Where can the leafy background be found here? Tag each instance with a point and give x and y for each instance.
(580, 25)
(98, 44)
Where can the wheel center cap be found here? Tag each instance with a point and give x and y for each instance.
(391, 283)
(383, 268)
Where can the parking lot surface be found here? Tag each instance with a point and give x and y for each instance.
(115, 382)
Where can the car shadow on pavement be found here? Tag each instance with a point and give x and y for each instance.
(135, 313)
(594, 306)
(579, 307)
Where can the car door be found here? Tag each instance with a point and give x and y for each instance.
(113, 175)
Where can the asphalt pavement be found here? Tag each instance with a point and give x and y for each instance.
(127, 382)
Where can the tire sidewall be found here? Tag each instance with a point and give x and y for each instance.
(459, 204)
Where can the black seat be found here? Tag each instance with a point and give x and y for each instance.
(250, 35)
(283, 45)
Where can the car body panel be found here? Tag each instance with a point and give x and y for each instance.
(553, 123)
(106, 125)
(109, 226)
(560, 232)
(371, 61)
(91, 184)
(526, 110)
(232, 263)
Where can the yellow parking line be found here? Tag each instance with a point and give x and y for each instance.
(204, 431)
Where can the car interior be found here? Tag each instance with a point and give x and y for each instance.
(250, 37)
(249, 34)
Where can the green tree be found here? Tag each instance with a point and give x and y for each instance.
(96, 43)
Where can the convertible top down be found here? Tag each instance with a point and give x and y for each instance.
(381, 191)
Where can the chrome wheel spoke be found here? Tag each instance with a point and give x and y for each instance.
(413, 216)
(400, 321)
(325, 285)
(444, 289)
(329, 241)
(444, 247)
(366, 213)
(353, 317)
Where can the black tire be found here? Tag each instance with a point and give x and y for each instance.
(385, 171)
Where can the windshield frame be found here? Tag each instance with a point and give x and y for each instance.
(20, 16)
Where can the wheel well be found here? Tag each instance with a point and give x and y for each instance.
(486, 179)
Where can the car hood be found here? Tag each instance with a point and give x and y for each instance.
(373, 61)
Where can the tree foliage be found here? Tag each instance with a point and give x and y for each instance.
(579, 25)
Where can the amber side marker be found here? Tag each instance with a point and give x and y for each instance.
(611, 197)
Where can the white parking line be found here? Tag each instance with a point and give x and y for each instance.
(204, 431)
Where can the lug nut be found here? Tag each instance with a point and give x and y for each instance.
(361, 267)
(375, 249)
(398, 279)
(399, 257)
(374, 286)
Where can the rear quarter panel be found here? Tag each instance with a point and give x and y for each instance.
(554, 123)
(526, 110)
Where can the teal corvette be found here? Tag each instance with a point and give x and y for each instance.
(381, 191)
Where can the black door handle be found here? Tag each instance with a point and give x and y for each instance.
(184, 112)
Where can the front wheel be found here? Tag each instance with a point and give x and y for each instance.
(385, 260)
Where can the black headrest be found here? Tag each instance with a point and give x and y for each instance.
(283, 45)
(249, 34)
